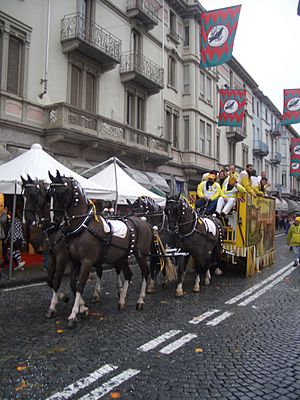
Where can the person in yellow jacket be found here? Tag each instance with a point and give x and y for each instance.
(229, 192)
(208, 193)
(293, 239)
(244, 179)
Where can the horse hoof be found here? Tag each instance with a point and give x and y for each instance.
(218, 271)
(151, 290)
(84, 314)
(196, 289)
(139, 306)
(50, 314)
(206, 282)
(121, 306)
(71, 324)
(179, 293)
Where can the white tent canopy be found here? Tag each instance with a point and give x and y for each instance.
(114, 178)
(36, 163)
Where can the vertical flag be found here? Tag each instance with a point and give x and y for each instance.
(295, 150)
(295, 169)
(218, 28)
(232, 107)
(291, 106)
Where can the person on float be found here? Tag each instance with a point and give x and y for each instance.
(208, 193)
(221, 177)
(293, 239)
(244, 179)
(227, 199)
(232, 171)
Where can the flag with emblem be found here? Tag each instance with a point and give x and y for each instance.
(295, 150)
(218, 28)
(232, 107)
(291, 106)
(295, 169)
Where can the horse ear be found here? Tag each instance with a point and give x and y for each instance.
(23, 180)
(168, 197)
(29, 179)
(51, 176)
(129, 202)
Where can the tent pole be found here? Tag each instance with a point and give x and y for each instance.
(116, 182)
(12, 231)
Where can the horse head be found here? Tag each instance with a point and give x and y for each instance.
(37, 200)
(178, 212)
(66, 194)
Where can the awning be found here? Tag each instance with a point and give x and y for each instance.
(158, 181)
(292, 205)
(281, 205)
(140, 177)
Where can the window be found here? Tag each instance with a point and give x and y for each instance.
(175, 130)
(231, 78)
(168, 124)
(202, 137)
(172, 22)
(257, 108)
(136, 42)
(172, 124)
(202, 84)
(283, 178)
(218, 145)
(231, 149)
(209, 139)
(266, 114)
(186, 79)
(172, 72)
(186, 129)
(208, 89)
(253, 105)
(245, 151)
(135, 108)
(83, 86)
(14, 55)
(186, 35)
(258, 134)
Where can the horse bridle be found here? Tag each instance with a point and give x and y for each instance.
(36, 186)
(179, 224)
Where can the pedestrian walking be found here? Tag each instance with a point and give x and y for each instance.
(293, 239)
(18, 243)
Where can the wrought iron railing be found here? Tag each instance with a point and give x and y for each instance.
(276, 157)
(133, 61)
(150, 7)
(77, 26)
(240, 130)
(259, 145)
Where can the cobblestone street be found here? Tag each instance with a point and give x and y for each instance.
(238, 339)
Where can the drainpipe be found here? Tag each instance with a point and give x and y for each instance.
(44, 81)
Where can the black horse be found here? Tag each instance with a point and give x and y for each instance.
(92, 240)
(37, 211)
(200, 237)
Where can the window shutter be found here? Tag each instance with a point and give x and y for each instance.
(14, 66)
(75, 86)
(90, 93)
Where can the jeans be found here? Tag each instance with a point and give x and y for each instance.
(206, 207)
(296, 253)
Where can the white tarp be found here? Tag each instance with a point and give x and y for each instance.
(36, 163)
(114, 178)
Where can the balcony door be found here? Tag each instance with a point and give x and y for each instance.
(86, 15)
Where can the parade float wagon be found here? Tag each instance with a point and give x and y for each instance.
(249, 238)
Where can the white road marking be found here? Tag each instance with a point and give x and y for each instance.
(23, 287)
(202, 317)
(160, 339)
(82, 383)
(111, 384)
(280, 234)
(255, 287)
(266, 288)
(219, 319)
(178, 343)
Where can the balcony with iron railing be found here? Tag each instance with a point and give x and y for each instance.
(236, 133)
(276, 130)
(81, 34)
(276, 158)
(145, 11)
(137, 68)
(260, 148)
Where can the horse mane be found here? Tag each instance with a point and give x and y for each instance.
(151, 203)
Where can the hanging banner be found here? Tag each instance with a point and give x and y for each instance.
(218, 28)
(295, 150)
(291, 106)
(232, 107)
(295, 169)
